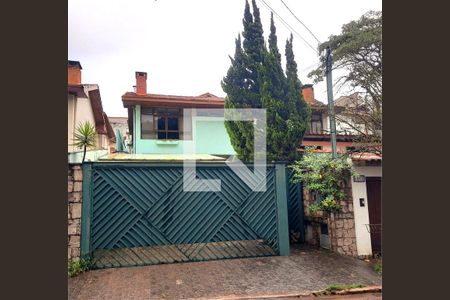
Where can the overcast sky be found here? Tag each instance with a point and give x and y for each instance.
(184, 45)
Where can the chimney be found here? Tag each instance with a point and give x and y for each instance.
(141, 83)
(74, 72)
(308, 93)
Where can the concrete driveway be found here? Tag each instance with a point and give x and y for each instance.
(304, 270)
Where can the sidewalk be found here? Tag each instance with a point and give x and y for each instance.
(305, 270)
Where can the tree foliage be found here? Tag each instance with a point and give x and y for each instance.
(358, 52)
(322, 174)
(256, 79)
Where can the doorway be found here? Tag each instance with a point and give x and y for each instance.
(373, 185)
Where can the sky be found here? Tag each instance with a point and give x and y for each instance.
(184, 45)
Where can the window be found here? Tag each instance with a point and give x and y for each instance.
(316, 123)
(147, 124)
(163, 124)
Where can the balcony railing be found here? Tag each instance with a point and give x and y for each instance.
(325, 131)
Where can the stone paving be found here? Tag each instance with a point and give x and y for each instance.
(304, 270)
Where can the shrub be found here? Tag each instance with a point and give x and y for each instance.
(378, 267)
(76, 267)
(322, 175)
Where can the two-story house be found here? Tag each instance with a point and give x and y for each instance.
(318, 134)
(158, 124)
(85, 104)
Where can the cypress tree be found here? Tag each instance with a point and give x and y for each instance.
(256, 79)
(242, 83)
(273, 94)
(235, 86)
(299, 111)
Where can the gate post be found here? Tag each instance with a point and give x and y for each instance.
(282, 209)
(85, 244)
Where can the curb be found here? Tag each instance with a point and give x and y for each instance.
(367, 289)
(363, 290)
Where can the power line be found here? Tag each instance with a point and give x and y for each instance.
(287, 25)
(300, 21)
(310, 67)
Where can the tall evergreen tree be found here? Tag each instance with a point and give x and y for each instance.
(256, 79)
(235, 85)
(273, 94)
(242, 83)
(299, 110)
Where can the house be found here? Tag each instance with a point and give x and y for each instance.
(85, 104)
(318, 134)
(365, 188)
(159, 125)
(120, 124)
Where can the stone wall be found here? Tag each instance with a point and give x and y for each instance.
(74, 196)
(341, 226)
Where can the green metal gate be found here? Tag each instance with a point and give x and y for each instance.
(138, 214)
(295, 210)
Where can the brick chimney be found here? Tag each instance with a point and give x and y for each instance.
(308, 93)
(141, 83)
(74, 72)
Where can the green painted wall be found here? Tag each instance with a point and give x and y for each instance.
(209, 134)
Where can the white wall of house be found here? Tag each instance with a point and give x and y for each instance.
(80, 111)
(359, 190)
(325, 121)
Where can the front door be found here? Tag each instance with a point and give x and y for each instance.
(374, 202)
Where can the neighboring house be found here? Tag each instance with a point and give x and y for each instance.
(318, 134)
(158, 124)
(349, 123)
(121, 124)
(366, 188)
(85, 104)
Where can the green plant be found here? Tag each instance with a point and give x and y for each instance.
(339, 287)
(79, 266)
(85, 137)
(256, 79)
(378, 267)
(322, 175)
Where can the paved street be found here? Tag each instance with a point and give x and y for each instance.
(305, 270)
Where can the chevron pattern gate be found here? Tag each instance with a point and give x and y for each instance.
(139, 215)
(295, 210)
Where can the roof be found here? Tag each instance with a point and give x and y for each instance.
(109, 129)
(326, 137)
(97, 108)
(74, 63)
(102, 124)
(77, 90)
(320, 106)
(365, 156)
(160, 157)
(203, 100)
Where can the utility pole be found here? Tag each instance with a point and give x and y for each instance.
(328, 64)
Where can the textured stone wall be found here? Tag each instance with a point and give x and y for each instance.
(74, 195)
(341, 226)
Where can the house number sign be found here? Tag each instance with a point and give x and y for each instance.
(359, 178)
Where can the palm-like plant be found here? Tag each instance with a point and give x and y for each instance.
(84, 136)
